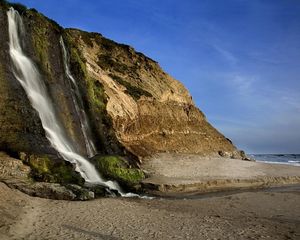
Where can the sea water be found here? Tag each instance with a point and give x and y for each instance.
(288, 159)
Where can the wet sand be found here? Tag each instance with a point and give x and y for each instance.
(256, 214)
(272, 214)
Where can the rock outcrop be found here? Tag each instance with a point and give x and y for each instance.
(135, 109)
(149, 110)
(16, 174)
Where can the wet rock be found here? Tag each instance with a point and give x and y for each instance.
(80, 192)
(41, 189)
(98, 190)
(16, 174)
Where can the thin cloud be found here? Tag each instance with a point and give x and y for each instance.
(227, 55)
(244, 84)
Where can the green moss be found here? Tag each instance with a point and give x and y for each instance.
(40, 41)
(77, 61)
(94, 96)
(40, 37)
(93, 91)
(133, 91)
(47, 170)
(97, 95)
(117, 168)
(40, 164)
(97, 108)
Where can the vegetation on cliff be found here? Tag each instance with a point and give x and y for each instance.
(117, 168)
(134, 108)
(94, 95)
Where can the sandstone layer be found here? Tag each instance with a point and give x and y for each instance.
(150, 111)
(133, 107)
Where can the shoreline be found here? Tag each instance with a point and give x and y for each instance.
(216, 186)
(223, 193)
(269, 213)
(168, 175)
(187, 174)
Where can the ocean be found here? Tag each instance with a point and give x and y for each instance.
(289, 159)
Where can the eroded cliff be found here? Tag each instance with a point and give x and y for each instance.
(134, 108)
(150, 111)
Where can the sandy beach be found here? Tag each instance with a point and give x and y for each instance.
(188, 173)
(104, 138)
(273, 214)
(248, 211)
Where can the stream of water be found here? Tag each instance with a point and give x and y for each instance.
(78, 103)
(29, 77)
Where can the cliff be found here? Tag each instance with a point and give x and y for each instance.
(134, 108)
(150, 111)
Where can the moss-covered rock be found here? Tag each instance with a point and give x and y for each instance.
(117, 168)
(20, 126)
(94, 96)
(46, 168)
(93, 93)
(41, 36)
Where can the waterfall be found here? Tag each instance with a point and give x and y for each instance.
(27, 74)
(78, 103)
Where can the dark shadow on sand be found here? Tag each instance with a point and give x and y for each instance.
(90, 233)
(292, 188)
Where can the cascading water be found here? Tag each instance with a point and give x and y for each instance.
(27, 74)
(77, 100)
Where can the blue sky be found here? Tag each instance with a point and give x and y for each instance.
(240, 59)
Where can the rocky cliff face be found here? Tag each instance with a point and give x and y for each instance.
(135, 109)
(20, 126)
(149, 110)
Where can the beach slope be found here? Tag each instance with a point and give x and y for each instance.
(186, 173)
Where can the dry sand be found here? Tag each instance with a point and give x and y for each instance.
(257, 214)
(185, 173)
(249, 215)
